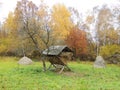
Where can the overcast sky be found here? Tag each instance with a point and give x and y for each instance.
(81, 5)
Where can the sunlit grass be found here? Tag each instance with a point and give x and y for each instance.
(32, 77)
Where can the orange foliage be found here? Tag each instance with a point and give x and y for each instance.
(77, 41)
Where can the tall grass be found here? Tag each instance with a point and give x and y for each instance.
(32, 77)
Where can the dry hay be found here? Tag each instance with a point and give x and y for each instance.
(66, 55)
(99, 62)
(25, 61)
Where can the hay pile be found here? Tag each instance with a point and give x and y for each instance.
(25, 61)
(66, 55)
(99, 62)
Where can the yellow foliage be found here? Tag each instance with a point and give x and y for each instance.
(4, 43)
(61, 22)
(10, 23)
(2, 48)
(109, 50)
(8, 43)
(89, 19)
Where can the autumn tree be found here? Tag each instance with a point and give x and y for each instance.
(44, 18)
(76, 17)
(77, 41)
(22, 15)
(28, 23)
(61, 23)
(116, 15)
(101, 22)
(8, 36)
(4, 41)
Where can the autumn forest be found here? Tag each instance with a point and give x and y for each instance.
(30, 29)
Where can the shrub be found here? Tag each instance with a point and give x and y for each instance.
(109, 50)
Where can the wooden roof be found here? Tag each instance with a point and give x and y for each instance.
(56, 50)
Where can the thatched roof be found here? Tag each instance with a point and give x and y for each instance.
(56, 50)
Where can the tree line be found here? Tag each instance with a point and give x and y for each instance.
(30, 29)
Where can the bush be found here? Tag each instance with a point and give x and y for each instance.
(108, 50)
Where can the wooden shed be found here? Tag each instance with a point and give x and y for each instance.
(58, 56)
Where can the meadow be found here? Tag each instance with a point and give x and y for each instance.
(32, 77)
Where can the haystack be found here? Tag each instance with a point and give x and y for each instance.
(99, 62)
(25, 61)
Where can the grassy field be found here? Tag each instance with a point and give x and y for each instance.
(31, 77)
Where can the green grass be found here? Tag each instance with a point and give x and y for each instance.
(31, 77)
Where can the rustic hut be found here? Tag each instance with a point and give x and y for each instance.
(58, 56)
